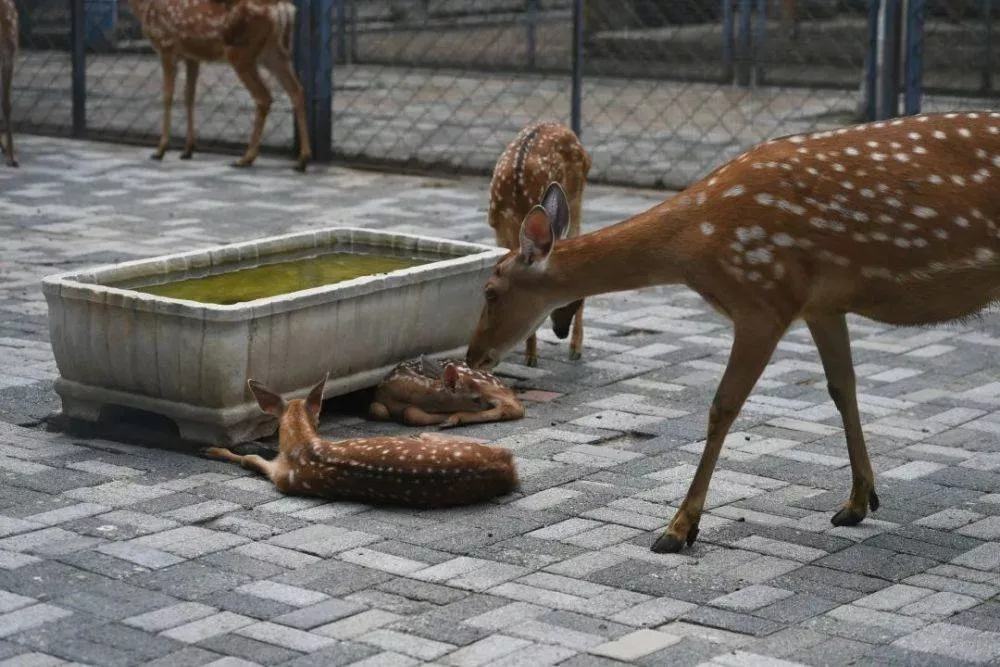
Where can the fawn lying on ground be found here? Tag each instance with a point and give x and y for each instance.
(429, 470)
(425, 392)
(247, 33)
(9, 36)
(540, 154)
(896, 221)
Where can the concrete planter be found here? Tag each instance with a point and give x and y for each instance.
(190, 361)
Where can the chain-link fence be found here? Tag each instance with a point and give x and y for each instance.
(661, 91)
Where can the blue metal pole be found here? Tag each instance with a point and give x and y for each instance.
(743, 44)
(890, 62)
(914, 81)
(532, 33)
(321, 102)
(871, 62)
(987, 76)
(728, 36)
(576, 93)
(301, 60)
(757, 47)
(79, 65)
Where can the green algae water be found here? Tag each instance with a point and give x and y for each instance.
(246, 284)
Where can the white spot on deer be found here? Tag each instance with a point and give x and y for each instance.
(747, 234)
(961, 221)
(920, 150)
(778, 270)
(914, 135)
(940, 233)
(957, 180)
(919, 242)
(759, 256)
(868, 193)
(902, 157)
(972, 115)
(798, 139)
(764, 198)
(984, 255)
(851, 151)
(872, 144)
(922, 119)
(812, 171)
(935, 179)
(896, 123)
(859, 237)
(879, 157)
(707, 228)
(790, 207)
(753, 276)
(993, 129)
(782, 239)
(924, 212)
(847, 185)
(951, 115)
(938, 134)
(880, 236)
(734, 191)
(964, 132)
(893, 202)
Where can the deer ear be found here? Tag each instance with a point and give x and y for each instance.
(270, 402)
(314, 402)
(555, 204)
(430, 368)
(537, 236)
(450, 377)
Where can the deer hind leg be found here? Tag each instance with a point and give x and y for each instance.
(531, 351)
(493, 414)
(834, 345)
(270, 469)
(753, 344)
(280, 66)
(190, 86)
(168, 63)
(576, 342)
(250, 76)
(7, 75)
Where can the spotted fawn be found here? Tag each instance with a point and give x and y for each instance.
(540, 154)
(428, 470)
(424, 392)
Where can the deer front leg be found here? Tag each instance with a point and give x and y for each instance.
(250, 76)
(576, 342)
(190, 86)
(270, 469)
(531, 351)
(753, 345)
(834, 344)
(493, 414)
(281, 68)
(168, 63)
(414, 416)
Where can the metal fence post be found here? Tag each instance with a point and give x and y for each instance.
(870, 83)
(987, 75)
(321, 98)
(340, 16)
(757, 44)
(914, 64)
(728, 37)
(743, 44)
(79, 65)
(886, 56)
(576, 93)
(532, 30)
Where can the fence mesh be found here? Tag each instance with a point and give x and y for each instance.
(671, 88)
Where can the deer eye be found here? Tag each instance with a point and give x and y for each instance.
(491, 294)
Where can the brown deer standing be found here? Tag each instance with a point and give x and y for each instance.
(247, 33)
(9, 35)
(429, 470)
(424, 392)
(541, 153)
(896, 221)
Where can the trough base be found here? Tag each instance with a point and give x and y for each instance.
(223, 427)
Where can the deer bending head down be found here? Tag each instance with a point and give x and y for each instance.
(247, 33)
(540, 154)
(429, 470)
(9, 36)
(897, 221)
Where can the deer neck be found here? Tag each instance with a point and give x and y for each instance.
(631, 254)
(295, 430)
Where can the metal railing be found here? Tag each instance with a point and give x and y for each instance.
(661, 91)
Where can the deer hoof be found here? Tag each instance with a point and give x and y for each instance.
(12, 162)
(300, 166)
(158, 155)
(575, 355)
(847, 516)
(671, 544)
(240, 164)
(187, 154)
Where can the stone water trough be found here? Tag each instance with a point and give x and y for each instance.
(117, 347)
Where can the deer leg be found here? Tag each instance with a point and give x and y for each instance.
(753, 345)
(834, 344)
(250, 76)
(169, 65)
(8, 149)
(414, 416)
(270, 469)
(190, 85)
(493, 414)
(282, 69)
(379, 412)
(576, 342)
(531, 351)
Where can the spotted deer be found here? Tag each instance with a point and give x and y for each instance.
(246, 33)
(540, 154)
(9, 35)
(896, 221)
(428, 470)
(424, 392)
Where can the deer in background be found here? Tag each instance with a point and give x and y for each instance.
(424, 392)
(246, 33)
(9, 35)
(429, 470)
(540, 154)
(896, 221)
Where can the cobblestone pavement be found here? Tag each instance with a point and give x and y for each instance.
(114, 554)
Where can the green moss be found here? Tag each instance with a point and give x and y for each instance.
(279, 278)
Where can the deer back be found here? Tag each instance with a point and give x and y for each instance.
(540, 154)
